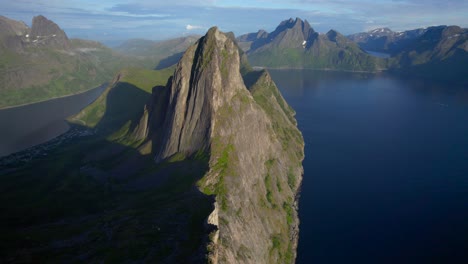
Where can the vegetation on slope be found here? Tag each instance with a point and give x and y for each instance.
(126, 96)
(43, 72)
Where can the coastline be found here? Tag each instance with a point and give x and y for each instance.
(317, 69)
(54, 98)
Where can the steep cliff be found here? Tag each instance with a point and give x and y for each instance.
(45, 32)
(254, 147)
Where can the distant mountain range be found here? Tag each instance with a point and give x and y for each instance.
(162, 54)
(41, 62)
(439, 52)
(435, 52)
(295, 44)
(386, 40)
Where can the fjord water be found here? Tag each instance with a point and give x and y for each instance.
(33, 124)
(386, 168)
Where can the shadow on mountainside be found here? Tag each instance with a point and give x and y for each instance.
(169, 61)
(97, 198)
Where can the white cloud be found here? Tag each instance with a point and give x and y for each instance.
(192, 27)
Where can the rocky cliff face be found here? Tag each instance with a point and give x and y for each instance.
(254, 147)
(47, 33)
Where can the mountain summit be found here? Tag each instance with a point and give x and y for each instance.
(46, 32)
(205, 80)
(289, 33)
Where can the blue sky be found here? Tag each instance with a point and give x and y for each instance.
(106, 20)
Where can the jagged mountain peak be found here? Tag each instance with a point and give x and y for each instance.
(289, 33)
(297, 23)
(46, 32)
(207, 77)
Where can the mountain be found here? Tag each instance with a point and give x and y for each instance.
(385, 40)
(294, 43)
(46, 33)
(204, 165)
(159, 54)
(440, 53)
(41, 62)
(245, 41)
(252, 140)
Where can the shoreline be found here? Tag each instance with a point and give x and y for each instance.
(318, 69)
(53, 98)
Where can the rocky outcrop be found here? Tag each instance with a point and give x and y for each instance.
(46, 32)
(254, 147)
(197, 90)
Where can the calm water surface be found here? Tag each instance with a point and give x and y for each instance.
(29, 125)
(386, 168)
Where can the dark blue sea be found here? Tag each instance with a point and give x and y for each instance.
(386, 167)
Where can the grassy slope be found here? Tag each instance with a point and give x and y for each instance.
(138, 81)
(42, 73)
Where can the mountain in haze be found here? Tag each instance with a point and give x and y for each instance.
(41, 62)
(160, 54)
(204, 165)
(440, 52)
(385, 40)
(295, 44)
